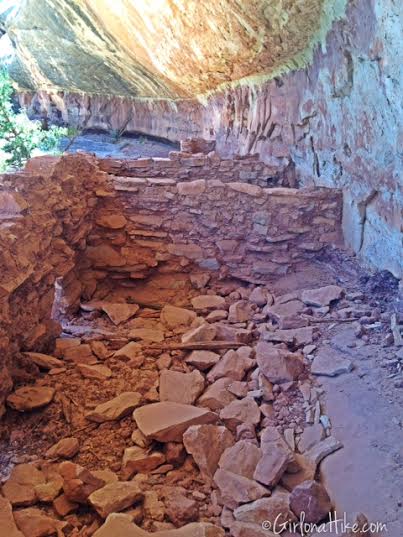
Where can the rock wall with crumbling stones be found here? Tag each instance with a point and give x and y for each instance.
(68, 227)
(45, 216)
(339, 122)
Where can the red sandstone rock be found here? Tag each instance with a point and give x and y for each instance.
(233, 364)
(202, 359)
(180, 387)
(240, 411)
(172, 316)
(278, 365)
(178, 507)
(217, 395)
(115, 497)
(203, 333)
(115, 408)
(236, 489)
(30, 398)
(96, 371)
(240, 311)
(271, 466)
(65, 448)
(7, 522)
(208, 302)
(78, 482)
(19, 489)
(275, 508)
(119, 313)
(44, 361)
(206, 443)
(167, 421)
(241, 458)
(137, 459)
(323, 296)
(35, 523)
(312, 499)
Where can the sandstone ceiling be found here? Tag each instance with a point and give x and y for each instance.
(161, 48)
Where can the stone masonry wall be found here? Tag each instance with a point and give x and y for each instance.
(68, 228)
(45, 216)
(147, 225)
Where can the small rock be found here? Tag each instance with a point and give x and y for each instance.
(241, 458)
(78, 482)
(35, 523)
(80, 354)
(259, 296)
(330, 363)
(216, 316)
(119, 313)
(65, 448)
(240, 311)
(205, 332)
(233, 365)
(112, 221)
(324, 448)
(147, 334)
(248, 529)
(311, 436)
(323, 296)
(275, 509)
(100, 350)
(238, 388)
(206, 443)
(278, 365)
(180, 387)
(167, 421)
(63, 506)
(312, 499)
(200, 280)
(140, 460)
(153, 508)
(116, 408)
(7, 522)
(95, 372)
(217, 395)
(272, 466)
(178, 508)
(30, 398)
(44, 361)
(139, 439)
(174, 452)
(115, 497)
(236, 489)
(129, 351)
(240, 411)
(174, 317)
(202, 359)
(208, 302)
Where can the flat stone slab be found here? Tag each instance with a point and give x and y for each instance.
(323, 296)
(119, 313)
(116, 408)
(330, 363)
(44, 361)
(120, 525)
(208, 302)
(7, 523)
(167, 421)
(181, 387)
(30, 398)
(115, 497)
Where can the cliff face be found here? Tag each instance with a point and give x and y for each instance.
(161, 48)
(339, 119)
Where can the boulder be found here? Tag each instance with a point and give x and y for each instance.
(64, 449)
(30, 398)
(241, 458)
(180, 387)
(7, 522)
(217, 395)
(278, 365)
(312, 499)
(323, 296)
(234, 364)
(174, 317)
(206, 443)
(240, 411)
(236, 489)
(167, 421)
(116, 408)
(115, 497)
(202, 359)
(208, 302)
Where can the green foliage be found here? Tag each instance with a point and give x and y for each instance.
(20, 137)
